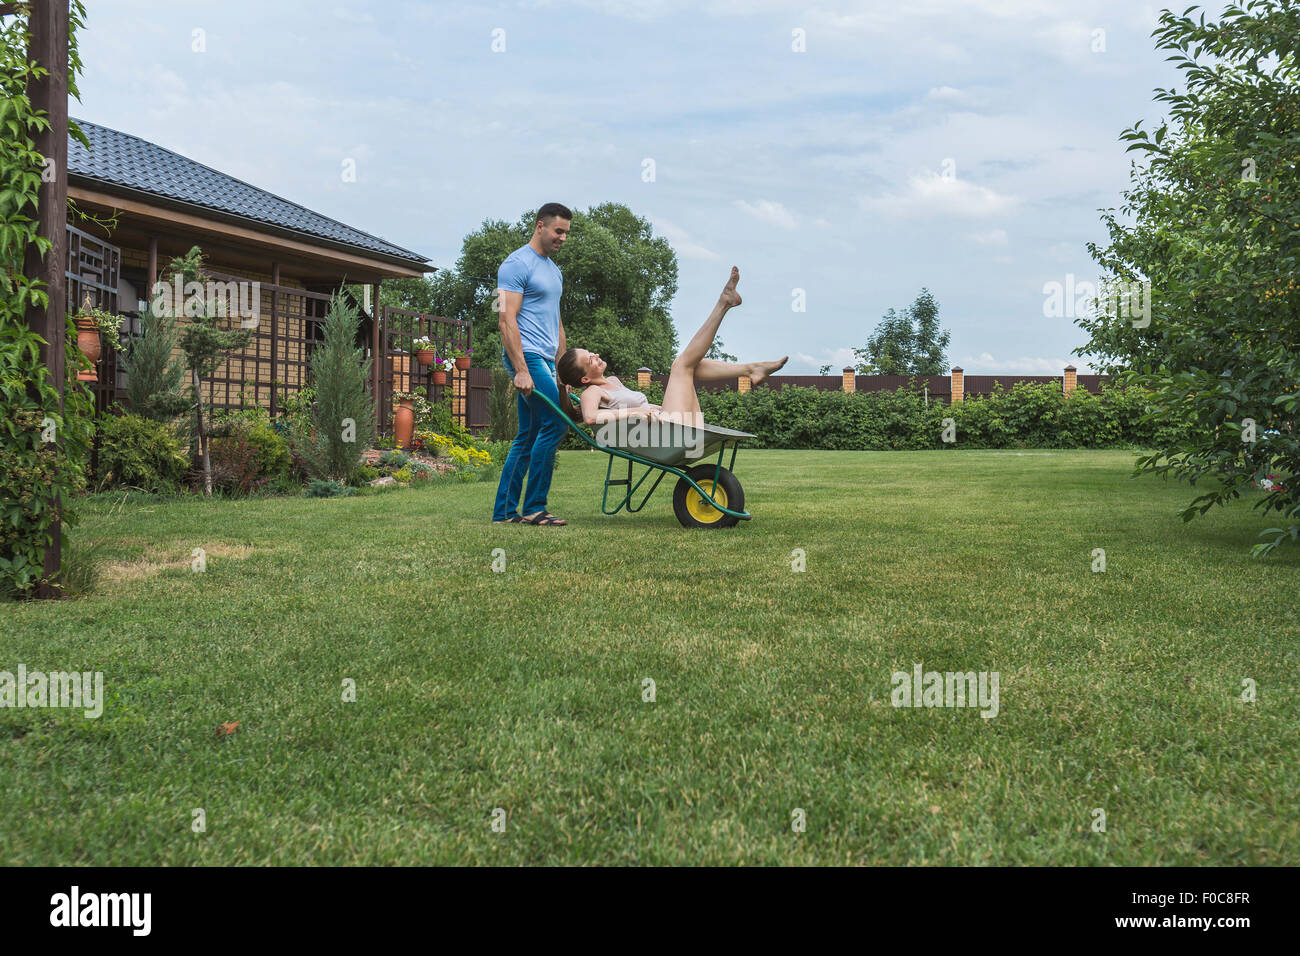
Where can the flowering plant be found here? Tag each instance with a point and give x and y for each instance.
(422, 344)
(443, 363)
(1270, 483)
(456, 353)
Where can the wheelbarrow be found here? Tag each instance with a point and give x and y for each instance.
(706, 496)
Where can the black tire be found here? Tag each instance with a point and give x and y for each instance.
(685, 497)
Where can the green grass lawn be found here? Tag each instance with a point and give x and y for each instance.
(523, 690)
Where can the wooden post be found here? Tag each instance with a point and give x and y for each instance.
(48, 47)
(275, 335)
(153, 266)
(375, 357)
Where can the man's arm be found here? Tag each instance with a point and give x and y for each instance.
(562, 349)
(508, 323)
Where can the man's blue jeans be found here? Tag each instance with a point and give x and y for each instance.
(533, 451)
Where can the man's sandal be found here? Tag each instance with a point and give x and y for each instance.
(513, 519)
(545, 517)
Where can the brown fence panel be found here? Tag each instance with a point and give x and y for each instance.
(480, 390)
(277, 359)
(399, 371)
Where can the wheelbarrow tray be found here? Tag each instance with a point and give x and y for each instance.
(695, 444)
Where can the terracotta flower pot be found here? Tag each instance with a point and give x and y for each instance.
(89, 342)
(440, 377)
(403, 423)
(424, 357)
(462, 361)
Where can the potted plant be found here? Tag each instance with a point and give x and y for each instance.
(461, 356)
(441, 366)
(403, 418)
(94, 325)
(424, 350)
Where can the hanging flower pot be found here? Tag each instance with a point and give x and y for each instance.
(89, 342)
(439, 377)
(403, 422)
(425, 357)
(462, 362)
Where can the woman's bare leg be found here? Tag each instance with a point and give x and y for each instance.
(679, 393)
(710, 370)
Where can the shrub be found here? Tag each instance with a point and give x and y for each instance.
(253, 426)
(362, 475)
(136, 452)
(503, 408)
(342, 418)
(328, 489)
(154, 375)
(394, 459)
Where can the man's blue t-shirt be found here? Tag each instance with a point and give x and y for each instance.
(541, 282)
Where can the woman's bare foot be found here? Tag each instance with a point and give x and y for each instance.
(730, 297)
(763, 369)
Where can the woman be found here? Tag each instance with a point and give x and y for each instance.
(605, 398)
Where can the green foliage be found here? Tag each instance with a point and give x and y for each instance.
(82, 561)
(155, 377)
(136, 452)
(503, 406)
(362, 475)
(43, 449)
(1027, 416)
(907, 343)
(341, 424)
(619, 281)
(394, 459)
(206, 345)
(247, 452)
(317, 488)
(1210, 221)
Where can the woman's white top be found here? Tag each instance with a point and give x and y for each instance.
(623, 397)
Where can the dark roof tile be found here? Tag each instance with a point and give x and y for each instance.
(119, 159)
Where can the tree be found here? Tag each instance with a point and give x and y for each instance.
(155, 377)
(618, 282)
(1209, 236)
(907, 343)
(206, 346)
(341, 424)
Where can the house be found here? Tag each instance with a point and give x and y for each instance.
(280, 258)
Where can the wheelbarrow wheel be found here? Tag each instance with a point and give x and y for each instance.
(694, 511)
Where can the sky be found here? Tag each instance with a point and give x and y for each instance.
(843, 155)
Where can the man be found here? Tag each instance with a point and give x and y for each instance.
(532, 338)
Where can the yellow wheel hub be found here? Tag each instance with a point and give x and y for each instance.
(701, 509)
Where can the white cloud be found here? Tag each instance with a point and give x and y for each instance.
(770, 212)
(681, 241)
(931, 194)
(945, 93)
(986, 364)
(994, 237)
(837, 359)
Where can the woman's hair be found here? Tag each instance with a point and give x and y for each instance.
(569, 371)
